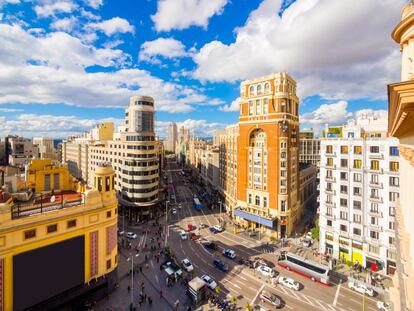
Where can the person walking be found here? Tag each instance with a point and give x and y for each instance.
(177, 304)
(161, 294)
(149, 301)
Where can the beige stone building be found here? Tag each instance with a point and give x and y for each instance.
(46, 147)
(401, 125)
(309, 147)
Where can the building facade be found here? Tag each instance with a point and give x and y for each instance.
(401, 126)
(172, 137)
(134, 154)
(60, 242)
(46, 147)
(359, 189)
(308, 188)
(20, 150)
(268, 155)
(309, 147)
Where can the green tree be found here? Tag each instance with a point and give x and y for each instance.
(315, 233)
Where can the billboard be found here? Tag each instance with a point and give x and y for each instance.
(42, 273)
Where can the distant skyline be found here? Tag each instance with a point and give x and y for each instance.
(67, 65)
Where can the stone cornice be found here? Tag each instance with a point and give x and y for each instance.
(407, 153)
(401, 108)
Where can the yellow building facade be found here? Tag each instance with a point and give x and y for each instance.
(61, 240)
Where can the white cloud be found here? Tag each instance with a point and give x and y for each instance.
(199, 128)
(112, 26)
(328, 52)
(234, 106)
(333, 114)
(65, 24)
(165, 47)
(53, 69)
(54, 7)
(9, 1)
(10, 110)
(94, 3)
(181, 14)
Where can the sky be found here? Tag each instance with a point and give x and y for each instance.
(67, 65)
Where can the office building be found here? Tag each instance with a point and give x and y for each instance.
(401, 126)
(134, 153)
(20, 150)
(309, 147)
(359, 188)
(58, 239)
(46, 147)
(268, 156)
(172, 137)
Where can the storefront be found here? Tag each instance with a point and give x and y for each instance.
(328, 249)
(373, 264)
(255, 221)
(357, 254)
(343, 254)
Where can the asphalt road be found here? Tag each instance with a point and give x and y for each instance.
(240, 281)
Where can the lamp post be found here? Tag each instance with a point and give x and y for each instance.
(131, 259)
(166, 211)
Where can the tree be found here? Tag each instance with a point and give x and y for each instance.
(315, 233)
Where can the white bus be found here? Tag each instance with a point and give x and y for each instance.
(305, 267)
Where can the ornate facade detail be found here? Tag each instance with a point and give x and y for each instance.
(407, 153)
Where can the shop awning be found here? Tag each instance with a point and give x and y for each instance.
(255, 218)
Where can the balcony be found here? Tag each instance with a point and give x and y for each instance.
(330, 153)
(330, 178)
(376, 156)
(330, 204)
(375, 199)
(330, 217)
(330, 165)
(330, 191)
(375, 184)
(375, 213)
(375, 170)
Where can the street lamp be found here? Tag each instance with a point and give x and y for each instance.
(166, 210)
(131, 259)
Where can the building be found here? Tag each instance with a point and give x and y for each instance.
(182, 144)
(46, 147)
(359, 188)
(134, 153)
(310, 147)
(308, 189)
(75, 150)
(172, 137)
(400, 125)
(58, 242)
(20, 150)
(268, 156)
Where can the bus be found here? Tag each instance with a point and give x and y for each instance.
(305, 267)
(197, 204)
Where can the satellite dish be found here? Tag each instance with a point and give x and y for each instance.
(52, 199)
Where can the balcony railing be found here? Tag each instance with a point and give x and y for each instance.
(330, 204)
(330, 191)
(375, 213)
(376, 199)
(376, 184)
(378, 156)
(330, 178)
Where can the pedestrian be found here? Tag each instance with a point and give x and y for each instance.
(147, 265)
(149, 301)
(161, 295)
(177, 304)
(140, 269)
(129, 288)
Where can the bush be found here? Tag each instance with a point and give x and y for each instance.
(349, 263)
(273, 239)
(315, 233)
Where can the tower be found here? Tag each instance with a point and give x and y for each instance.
(267, 155)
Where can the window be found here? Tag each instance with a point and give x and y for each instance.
(107, 183)
(252, 90)
(265, 106)
(56, 184)
(374, 249)
(258, 107)
(29, 234)
(391, 225)
(264, 202)
(343, 202)
(374, 165)
(344, 163)
(329, 211)
(374, 207)
(267, 88)
(393, 196)
(329, 161)
(374, 193)
(374, 221)
(257, 200)
(108, 214)
(394, 181)
(329, 223)
(357, 164)
(357, 191)
(394, 166)
(71, 223)
(250, 108)
(343, 215)
(344, 176)
(357, 177)
(329, 149)
(392, 211)
(357, 218)
(374, 235)
(329, 186)
(283, 154)
(357, 205)
(259, 89)
(250, 198)
(343, 228)
(357, 149)
(344, 189)
(51, 228)
(283, 205)
(108, 264)
(357, 231)
(47, 182)
(374, 179)
(394, 151)
(374, 149)
(391, 240)
(344, 149)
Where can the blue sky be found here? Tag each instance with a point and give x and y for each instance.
(66, 65)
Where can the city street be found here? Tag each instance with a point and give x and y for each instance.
(241, 282)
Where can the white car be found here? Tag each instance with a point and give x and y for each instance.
(173, 211)
(187, 265)
(180, 206)
(265, 271)
(183, 235)
(383, 306)
(361, 288)
(131, 235)
(172, 197)
(289, 282)
(229, 253)
(218, 228)
(209, 281)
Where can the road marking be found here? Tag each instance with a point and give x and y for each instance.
(336, 295)
(243, 278)
(356, 301)
(156, 278)
(258, 293)
(235, 285)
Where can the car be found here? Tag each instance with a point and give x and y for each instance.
(219, 264)
(213, 230)
(289, 282)
(210, 245)
(229, 253)
(173, 211)
(193, 236)
(183, 235)
(271, 298)
(191, 227)
(218, 228)
(265, 271)
(187, 265)
(252, 233)
(202, 226)
(361, 288)
(180, 206)
(383, 306)
(209, 281)
(131, 235)
(307, 242)
(259, 262)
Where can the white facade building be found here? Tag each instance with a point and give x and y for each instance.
(172, 137)
(359, 189)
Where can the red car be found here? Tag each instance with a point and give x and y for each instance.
(191, 227)
(194, 237)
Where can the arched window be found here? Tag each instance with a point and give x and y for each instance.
(267, 88)
(257, 200)
(259, 89)
(251, 90)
